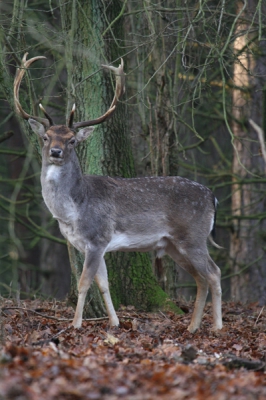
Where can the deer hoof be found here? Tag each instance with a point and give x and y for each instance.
(76, 324)
(114, 321)
(192, 328)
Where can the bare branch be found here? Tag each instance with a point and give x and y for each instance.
(261, 139)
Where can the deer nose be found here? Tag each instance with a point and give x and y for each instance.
(57, 153)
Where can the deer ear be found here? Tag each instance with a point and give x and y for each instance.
(37, 127)
(84, 133)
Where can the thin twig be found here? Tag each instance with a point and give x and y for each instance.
(6, 135)
(33, 311)
(261, 311)
(49, 316)
(165, 316)
(46, 341)
(261, 139)
(70, 319)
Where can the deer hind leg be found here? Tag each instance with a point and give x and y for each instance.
(183, 258)
(102, 282)
(202, 292)
(205, 273)
(214, 280)
(93, 259)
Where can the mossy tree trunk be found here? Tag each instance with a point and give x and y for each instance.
(108, 151)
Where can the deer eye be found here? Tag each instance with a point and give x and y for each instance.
(45, 138)
(72, 141)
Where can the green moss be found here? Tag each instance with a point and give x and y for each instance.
(132, 282)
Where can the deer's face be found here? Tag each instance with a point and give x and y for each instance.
(59, 141)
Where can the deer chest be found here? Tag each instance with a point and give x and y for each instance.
(63, 208)
(72, 234)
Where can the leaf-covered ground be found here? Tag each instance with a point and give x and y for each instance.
(150, 356)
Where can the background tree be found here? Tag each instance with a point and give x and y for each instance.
(248, 205)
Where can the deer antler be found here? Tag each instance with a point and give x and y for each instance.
(119, 90)
(18, 78)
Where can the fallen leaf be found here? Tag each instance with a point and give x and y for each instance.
(110, 339)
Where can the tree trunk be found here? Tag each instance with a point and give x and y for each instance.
(108, 151)
(248, 282)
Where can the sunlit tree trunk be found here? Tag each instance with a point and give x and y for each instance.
(248, 282)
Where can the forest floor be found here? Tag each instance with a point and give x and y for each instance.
(151, 356)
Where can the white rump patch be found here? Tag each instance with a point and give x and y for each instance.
(212, 220)
(212, 224)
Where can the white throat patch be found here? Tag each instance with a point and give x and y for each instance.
(53, 173)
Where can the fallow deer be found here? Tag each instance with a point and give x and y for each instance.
(99, 214)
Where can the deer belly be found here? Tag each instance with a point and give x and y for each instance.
(138, 242)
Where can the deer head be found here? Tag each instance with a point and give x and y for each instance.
(59, 138)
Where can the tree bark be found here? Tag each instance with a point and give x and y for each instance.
(248, 282)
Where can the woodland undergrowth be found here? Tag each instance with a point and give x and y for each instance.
(150, 356)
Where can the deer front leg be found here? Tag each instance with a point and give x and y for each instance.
(102, 282)
(90, 267)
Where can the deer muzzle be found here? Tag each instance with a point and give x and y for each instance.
(56, 156)
(56, 153)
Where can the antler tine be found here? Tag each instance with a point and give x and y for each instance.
(120, 81)
(18, 78)
(51, 123)
(71, 117)
(119, 91)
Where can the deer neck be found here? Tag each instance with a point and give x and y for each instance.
(60, 184)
